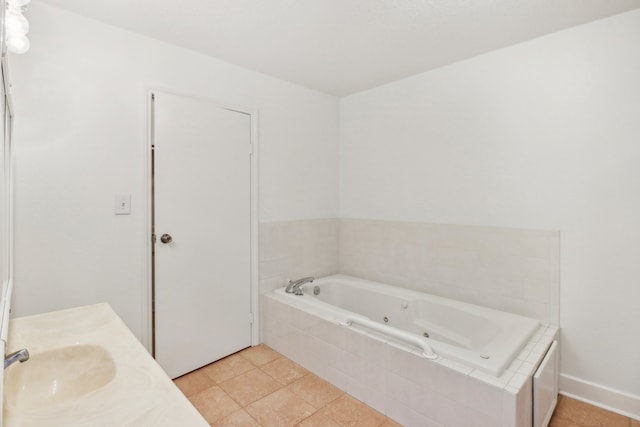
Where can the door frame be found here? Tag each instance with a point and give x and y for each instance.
(147, 291)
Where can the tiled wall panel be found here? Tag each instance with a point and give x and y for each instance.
(294, 249)
(509, 269)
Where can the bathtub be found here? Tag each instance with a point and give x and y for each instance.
(484, 339)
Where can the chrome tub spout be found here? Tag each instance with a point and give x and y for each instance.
(295, 286)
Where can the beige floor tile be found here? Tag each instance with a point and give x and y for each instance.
(237, 419)
(350, 412)
(227, 368)
(250, 386)
(280, 409)
(214, 404)
(315, 390)
(194, 382)
(296, 403)
(284, 370)
(390, 423)
(318, 420)
(562, 422)
(260, 354)
(602, 418)
(585, 415)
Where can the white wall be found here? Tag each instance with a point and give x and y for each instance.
(80, 101)
(541, 135)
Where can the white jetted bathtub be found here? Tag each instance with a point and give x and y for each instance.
(480, 337)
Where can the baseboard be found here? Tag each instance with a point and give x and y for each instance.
(598, 395)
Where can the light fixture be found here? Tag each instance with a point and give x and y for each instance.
(17, 43)
(16, 26)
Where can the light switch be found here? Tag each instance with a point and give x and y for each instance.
(123, 204)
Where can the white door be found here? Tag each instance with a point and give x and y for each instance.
(202, 204)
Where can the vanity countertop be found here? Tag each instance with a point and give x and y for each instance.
(136, 391)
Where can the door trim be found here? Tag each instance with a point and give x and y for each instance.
(146, 318)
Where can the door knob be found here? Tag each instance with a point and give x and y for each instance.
(166, 238)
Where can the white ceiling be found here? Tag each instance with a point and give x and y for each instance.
(344, 46)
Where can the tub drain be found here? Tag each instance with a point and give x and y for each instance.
(316, 290)
(386, 319)
(425, 334)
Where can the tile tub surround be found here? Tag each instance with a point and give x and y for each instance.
(405, 387)
(140, 394)
(294, 249)
(509, 269)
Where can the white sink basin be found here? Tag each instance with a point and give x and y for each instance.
(57, 376)
(88, 370)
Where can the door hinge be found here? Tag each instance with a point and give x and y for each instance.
(153, 239)
(250, 317)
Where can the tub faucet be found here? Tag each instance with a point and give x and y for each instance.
(295, 286)
(16, 356)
